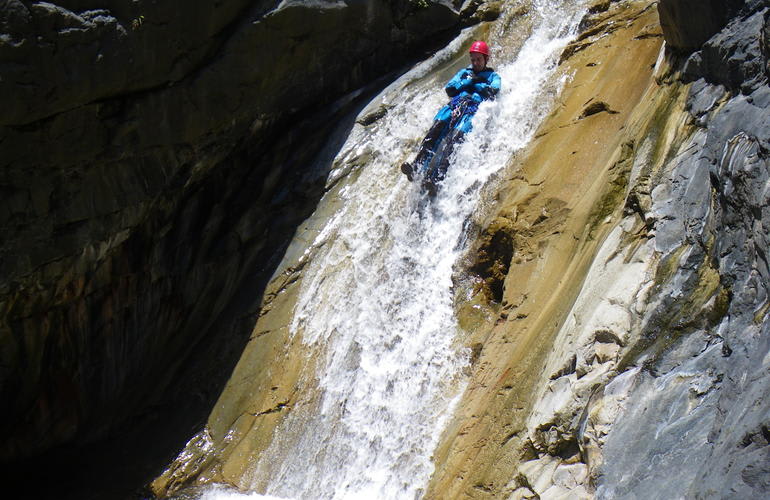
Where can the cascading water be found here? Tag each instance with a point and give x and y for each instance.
(376, 300)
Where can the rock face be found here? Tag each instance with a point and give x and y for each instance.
(735, 57)
(149, 176)
(152, 177)
(558, 326)
(687, 24)
(647, 352)
(619, 330)
(699, 404)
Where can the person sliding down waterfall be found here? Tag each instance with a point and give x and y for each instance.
(468, 88)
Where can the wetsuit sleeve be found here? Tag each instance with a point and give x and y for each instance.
(490, 88)
(458, 83)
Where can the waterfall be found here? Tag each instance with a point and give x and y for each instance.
(376, 298)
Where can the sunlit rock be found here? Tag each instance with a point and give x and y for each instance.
(606, 310)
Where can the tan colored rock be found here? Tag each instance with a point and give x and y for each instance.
(564, 195)
(606, 352)
(522, 494)
(261, 390)
(549, 323)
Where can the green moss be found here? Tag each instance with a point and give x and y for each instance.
(761, 313)
(659, 141)
(472, 304)
(474, 314)
(664, 117)
(668, 266)
(665, 133)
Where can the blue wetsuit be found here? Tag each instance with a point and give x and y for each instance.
(467, 90)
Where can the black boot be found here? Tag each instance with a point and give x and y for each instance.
(408, 169)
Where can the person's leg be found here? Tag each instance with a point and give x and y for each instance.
(432, 139)
(430, 142)
(455, 137)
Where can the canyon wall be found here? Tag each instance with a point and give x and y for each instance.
(625, 275)
(617, 325)
(159, 165)
(150, 180)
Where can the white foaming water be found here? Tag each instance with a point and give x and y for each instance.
(221, 493)
(376, 298)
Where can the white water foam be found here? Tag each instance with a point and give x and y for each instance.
(376, 297)
(220, 493)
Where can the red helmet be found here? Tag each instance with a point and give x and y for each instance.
(480, 47)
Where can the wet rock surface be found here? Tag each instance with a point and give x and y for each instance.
(659, 363)
(556, 335)
(619, 330)
(149, 181)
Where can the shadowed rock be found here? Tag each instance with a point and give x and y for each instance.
(149, 179)
(687, 24)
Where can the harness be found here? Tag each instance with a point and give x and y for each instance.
(461, 106)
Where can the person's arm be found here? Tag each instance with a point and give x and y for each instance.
(489, 88)
(459, 82)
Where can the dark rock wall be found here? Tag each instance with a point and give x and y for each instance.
(154, 158)
(688, 23)
(737, 56)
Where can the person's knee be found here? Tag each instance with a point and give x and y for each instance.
(465, 125)
(444, 114)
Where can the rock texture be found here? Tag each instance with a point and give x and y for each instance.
(151, 179)
(631, 360)
(276, 373)
(618, 332)
(687, 24)
(699, 403)
(516, 433)
(150, 176)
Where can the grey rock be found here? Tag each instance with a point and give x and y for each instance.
(687, 24)
(679, 208)
(700, 404)
(668, 420)
(736, 57)
(703, 97)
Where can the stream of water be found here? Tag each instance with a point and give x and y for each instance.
(376, 299)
